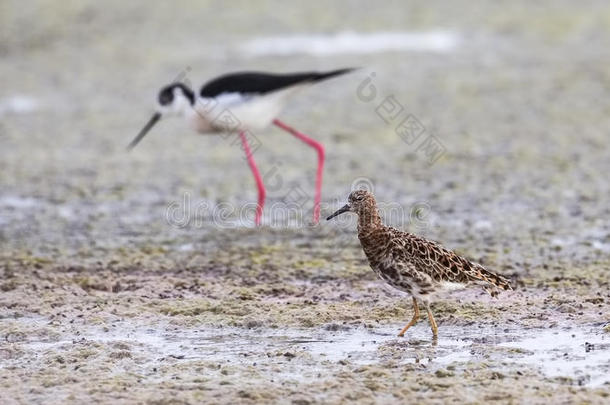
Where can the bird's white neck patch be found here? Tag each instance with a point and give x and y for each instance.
(179, 107)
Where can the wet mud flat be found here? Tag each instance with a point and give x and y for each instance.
(106, 298)
(234, 327)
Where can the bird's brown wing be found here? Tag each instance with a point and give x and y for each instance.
(440, 263)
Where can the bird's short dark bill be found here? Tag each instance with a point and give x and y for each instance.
(340, 211)
(153, 120)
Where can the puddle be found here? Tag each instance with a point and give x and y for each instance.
(575, 354)
(582, 356)
(230, 344)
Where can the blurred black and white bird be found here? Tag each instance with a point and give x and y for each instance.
(243, 103)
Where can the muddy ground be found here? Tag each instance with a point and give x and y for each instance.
(139, 278)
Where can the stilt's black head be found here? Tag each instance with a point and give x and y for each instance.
(174, 99)
(169, 93)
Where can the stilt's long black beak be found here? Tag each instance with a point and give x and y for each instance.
(153, 120)
(341, 210)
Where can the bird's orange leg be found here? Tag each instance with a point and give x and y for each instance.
(413, 320)
(433, 324)
(257, 177)
(320, 149)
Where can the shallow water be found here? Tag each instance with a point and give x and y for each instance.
(582, 356)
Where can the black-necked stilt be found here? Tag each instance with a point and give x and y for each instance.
(241, 103)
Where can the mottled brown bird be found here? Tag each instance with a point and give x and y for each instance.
(411, 263)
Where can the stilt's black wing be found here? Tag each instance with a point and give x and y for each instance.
(261, 83)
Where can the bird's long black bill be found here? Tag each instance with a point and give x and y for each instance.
(153, 120)
(340, 211)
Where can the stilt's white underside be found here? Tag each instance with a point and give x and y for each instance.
(233, 112)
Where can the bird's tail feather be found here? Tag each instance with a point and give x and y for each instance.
(482, 274)
(328, 75)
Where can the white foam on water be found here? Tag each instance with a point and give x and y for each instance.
(348, 42)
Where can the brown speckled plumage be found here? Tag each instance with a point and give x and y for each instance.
(411, 263)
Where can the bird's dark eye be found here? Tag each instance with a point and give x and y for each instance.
(166, 96)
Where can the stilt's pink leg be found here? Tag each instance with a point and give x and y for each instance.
(257, 177)
(320, 149)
